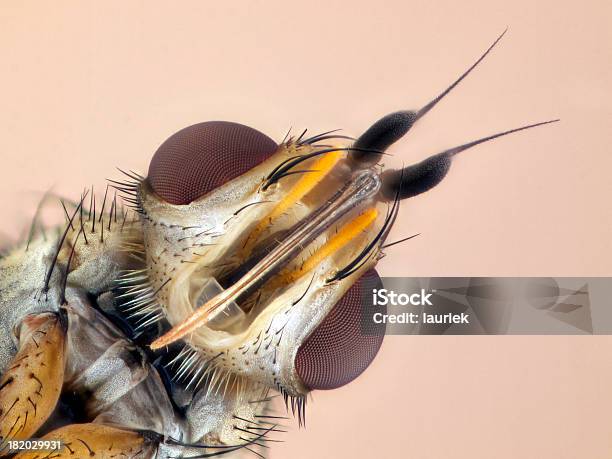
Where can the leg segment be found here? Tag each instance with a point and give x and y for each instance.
(32, 383)
(95, 440)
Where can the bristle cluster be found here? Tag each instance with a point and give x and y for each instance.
(138, 298)
(196, 369)
(58, 249)
(255, 432)
(302, 140)
(84, 227)
(99, 221)
(286, 167)
(129, 189)
(297, 403)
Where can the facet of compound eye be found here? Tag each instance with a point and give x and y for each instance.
(202, 157)
(345, 342)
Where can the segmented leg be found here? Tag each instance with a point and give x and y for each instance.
(95, 440)
(31, 385)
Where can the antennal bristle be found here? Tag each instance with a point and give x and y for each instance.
(433, 102)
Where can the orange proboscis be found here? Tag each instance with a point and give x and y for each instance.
(198, 318)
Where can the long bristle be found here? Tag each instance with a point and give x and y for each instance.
(425, 109)
(59, 248)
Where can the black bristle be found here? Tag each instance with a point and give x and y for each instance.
(66, 214)
(91, 197)
(93, 221)
(34, 222)
(81, 220)
(391, 244)
(425, 109)
(103, 205)
(281, 169)
(59, 248)
(67, 271)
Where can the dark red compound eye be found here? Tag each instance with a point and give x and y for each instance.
(202, 157)
(345, 342)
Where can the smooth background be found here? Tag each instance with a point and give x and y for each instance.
(87, 86)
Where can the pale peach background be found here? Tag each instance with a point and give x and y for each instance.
(87, 86)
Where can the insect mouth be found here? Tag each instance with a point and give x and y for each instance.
(220, 299)
(219, 307)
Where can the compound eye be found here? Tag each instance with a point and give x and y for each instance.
(202, 157)
(343, 346)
